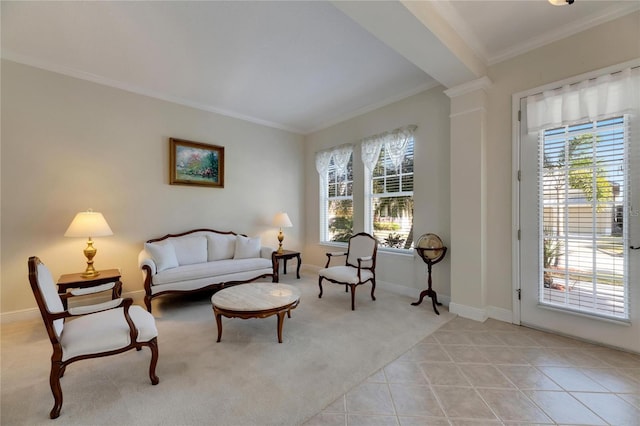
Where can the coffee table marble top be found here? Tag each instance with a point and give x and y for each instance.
(255, 297)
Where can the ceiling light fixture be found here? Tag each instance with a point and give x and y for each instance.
(561, 2)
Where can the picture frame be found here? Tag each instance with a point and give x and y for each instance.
(195, 163)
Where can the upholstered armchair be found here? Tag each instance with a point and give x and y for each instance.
(107, 328)
(359, 267)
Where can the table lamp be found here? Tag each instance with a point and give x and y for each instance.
(89, 224)
(281, 220)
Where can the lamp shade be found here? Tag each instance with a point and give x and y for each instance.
(281, 220)
(88, 224)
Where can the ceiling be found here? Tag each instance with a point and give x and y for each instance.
(294, 65)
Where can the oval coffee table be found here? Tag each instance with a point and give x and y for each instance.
(255, 300)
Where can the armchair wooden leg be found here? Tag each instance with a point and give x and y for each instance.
(153, 345)
(320, 285)
(147, 303)
(373, 289)
(56, 389)
(353, 296)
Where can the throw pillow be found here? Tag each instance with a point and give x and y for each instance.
(163, 254)
(190, 250)
(221, 246)
(247, 248)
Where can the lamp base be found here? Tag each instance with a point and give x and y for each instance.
(90, 274)
(280, 239)
(89, 252)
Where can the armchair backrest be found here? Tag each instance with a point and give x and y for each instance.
(46, 294)
(362, 245)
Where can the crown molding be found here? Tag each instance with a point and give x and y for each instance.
(481, 83)
(564, 32)
(94, 78)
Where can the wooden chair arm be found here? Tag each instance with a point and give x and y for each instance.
(334, 253)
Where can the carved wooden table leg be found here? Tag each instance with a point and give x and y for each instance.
(280, 323)
(219, 322)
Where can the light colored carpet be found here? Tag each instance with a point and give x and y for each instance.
(246, 379)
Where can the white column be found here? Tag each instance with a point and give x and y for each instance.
(467, 248)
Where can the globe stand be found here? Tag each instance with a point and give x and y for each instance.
(430, 262)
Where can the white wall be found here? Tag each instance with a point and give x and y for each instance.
(429, 110)
(69, 145)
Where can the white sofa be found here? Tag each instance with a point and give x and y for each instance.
(202, 259)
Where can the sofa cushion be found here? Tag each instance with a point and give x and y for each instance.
(247, 248)
(210, 269)
(190, 250)
(220, 246)
(163, 254)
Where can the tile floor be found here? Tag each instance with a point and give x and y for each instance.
(470, 373)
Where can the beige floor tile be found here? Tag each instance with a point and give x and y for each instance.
(463, 403)
(452, 337)
(564, 408)
(465, 353)
(470, 422)
(504, 355)
(337, 406)
(377, 377)
(404, 372)
(513, 339)
(422, 421)
(444, 374)
(632, 399)
(616, 358)
(614, 410)
(484, 338)
(612, 379)
(572, 379)
(634, 373)
(485, 376)
(513, 406)
(327, 419)
(527, 377)
(545, 357)
(581, 358)
(364, 420)
(422, 352)
(415, 400)
(370, 398)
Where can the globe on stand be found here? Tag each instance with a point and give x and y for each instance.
(431, 249)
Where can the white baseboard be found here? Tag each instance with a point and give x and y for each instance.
(34, 313)
(479, 314)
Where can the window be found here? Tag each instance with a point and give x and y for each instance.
(336, 194)
(389, 188)
(583, 194)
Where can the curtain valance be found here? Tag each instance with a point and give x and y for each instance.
(395, 143)
(589, 100)
(340, 155)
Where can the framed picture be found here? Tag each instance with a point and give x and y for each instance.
(194, 163)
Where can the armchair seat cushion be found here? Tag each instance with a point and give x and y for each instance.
(345, 274)
(105, 331)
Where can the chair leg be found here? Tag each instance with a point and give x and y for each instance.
(373, 289)
(147, 303)
(353, 296)
(153, 345)
(54, 380)
(320, 284)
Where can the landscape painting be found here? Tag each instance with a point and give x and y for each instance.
(195, 163)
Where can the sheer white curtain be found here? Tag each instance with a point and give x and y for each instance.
(589, 100)
(323, 158)
(395, 144)
(340, 155)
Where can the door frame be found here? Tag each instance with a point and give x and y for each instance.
(516, 165)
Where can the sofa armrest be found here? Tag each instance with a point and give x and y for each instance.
(145, 259)
(265, 252)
